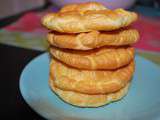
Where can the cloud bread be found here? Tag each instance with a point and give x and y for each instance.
(101, 58)
(94, 39)
(80, 20)
(85, 100)
(90, 82)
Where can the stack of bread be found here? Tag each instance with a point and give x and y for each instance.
(92, 59)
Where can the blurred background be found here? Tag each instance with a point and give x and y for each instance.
(13, 7)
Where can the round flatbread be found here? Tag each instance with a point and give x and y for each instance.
(94, 18)
(94, 39)
(90, 82)
(102, 58)
(85, 100)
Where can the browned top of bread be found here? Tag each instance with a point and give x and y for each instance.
(85, 100)
(102, 58)
(90, 81)
(88, 19)
(93, 39)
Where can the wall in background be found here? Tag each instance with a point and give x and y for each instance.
(12, 7)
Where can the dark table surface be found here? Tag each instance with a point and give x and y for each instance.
(12, 62)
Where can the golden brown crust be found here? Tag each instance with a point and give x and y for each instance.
(94, 39)
(88, 20)
(85, 100)
(102, 58)
(90, 82)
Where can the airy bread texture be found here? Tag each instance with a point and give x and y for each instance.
(94, 39)
(85, 100)
(92, 62)
(79, 19)
(90, 82)
(102, 58)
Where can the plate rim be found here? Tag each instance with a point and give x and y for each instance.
(38, 57)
